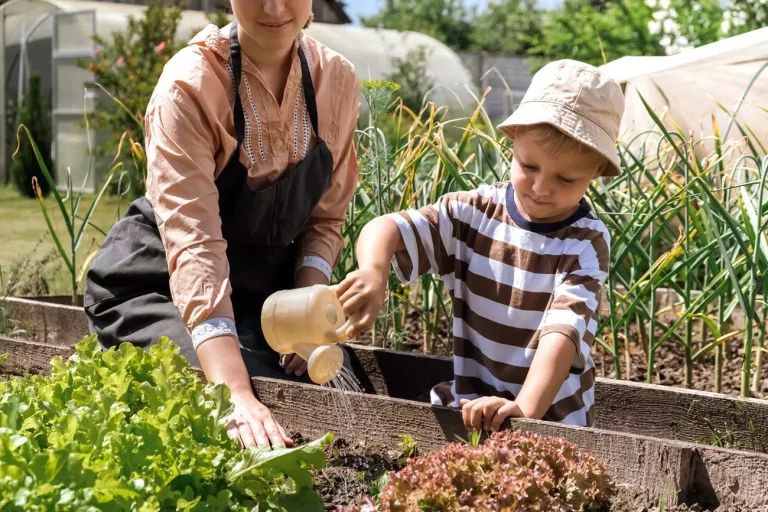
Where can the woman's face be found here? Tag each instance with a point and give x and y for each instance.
(273, 24)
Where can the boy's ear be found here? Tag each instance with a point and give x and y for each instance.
(601, 169)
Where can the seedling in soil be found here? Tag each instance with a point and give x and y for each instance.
(408, 448)
(474, 438)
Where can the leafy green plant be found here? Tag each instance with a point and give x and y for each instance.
(378, 486)
(408, 448)
(33, 115)
(511, 470)
(474, 438)
(128, 66)
(129, 429)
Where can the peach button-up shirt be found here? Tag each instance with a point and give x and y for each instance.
(191, 136)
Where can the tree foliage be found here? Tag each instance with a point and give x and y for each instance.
(593, 31)
(447, 21)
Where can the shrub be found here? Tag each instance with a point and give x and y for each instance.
(412, 74)
(128, 66)
(511, 471)
(134, 430)
(34, 116)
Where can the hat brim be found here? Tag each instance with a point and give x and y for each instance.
(569, 122)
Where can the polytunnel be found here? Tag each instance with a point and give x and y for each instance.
(48, 37)
(697, 90)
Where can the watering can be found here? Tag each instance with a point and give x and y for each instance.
(308, 322)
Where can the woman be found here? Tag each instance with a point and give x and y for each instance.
(251, 166)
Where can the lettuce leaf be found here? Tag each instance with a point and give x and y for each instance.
(135, 430)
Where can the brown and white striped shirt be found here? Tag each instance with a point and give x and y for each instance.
(512, 281)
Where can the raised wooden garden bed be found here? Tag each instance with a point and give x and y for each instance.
(655, 441)
(645, 468)
(659, 411)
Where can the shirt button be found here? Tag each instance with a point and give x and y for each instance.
(279, 143)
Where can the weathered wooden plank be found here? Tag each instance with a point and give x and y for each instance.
(659, 411)
(28, 357)
(675, 471)
(45, 322)
(655, 468)
(692, 416)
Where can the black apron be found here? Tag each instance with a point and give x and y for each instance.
(127, 293)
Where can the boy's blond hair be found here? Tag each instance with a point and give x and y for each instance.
(557, 142)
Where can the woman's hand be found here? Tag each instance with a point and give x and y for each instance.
(294, 364)
(251, 421)
(253, 424)
(362, 295)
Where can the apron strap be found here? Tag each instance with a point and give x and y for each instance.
(235, 63)
(309, 91)
(234, 176)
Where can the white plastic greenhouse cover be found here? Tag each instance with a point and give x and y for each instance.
(693, 86)
(370, 50)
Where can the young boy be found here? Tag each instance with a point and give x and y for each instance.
(524, 260)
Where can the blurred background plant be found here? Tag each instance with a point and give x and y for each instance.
(34, 113)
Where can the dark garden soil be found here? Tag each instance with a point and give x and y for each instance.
(351, 472)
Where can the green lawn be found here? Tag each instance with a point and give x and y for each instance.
(25, 240)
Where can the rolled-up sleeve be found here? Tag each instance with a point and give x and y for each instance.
(321, 240)
(181, 154)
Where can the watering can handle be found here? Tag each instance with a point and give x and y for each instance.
(341, 333)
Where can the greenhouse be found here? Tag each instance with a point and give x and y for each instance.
(694, 86)
(47, 37)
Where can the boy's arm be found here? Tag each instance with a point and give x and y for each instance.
(549, 369)
(378, 242)
(568, 327)
(362, 293)
(416, 242)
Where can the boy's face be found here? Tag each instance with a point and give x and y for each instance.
(548, 188)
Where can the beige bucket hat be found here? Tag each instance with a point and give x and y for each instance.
(580, 101)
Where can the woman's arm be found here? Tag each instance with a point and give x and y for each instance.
(321, 241)
(251, 422)
(182, 146)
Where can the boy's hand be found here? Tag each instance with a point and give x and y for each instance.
(488, 412)
(362, 295)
